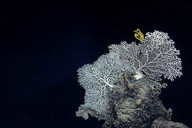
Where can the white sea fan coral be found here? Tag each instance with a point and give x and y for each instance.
(96, 79)
(155, 56)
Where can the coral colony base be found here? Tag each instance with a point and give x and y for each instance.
(123, 86)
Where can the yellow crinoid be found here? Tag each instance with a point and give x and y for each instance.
(139, 35)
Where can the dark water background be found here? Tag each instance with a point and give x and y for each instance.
(43, 43)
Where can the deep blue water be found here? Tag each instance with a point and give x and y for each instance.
(42, 44)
